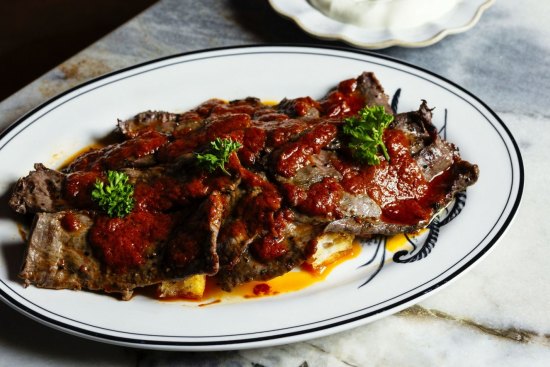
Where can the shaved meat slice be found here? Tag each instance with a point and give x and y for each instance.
(61, 252)
(353, 94)
(181, 124)
(192, 248)
(137, 152)
(163, 122)
(369, 86)
(174, 186)
(40, 191)
(63, 259)
(298, 247)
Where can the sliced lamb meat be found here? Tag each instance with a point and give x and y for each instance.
(353, 94)
(370, 87)
(160, 121)
(300, 107)
(61, 258)
(137, 152)
(166, 122)
(40, 191)
(160, 188)
(192, 248)
(79, 250)
(293, 179)
(181, 124)
(296, 247)
(331, 189)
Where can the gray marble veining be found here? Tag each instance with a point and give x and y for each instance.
(496, 314)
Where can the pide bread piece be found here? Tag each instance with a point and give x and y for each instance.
(191, 287)
(330, 248)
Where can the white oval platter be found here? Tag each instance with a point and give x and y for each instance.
(352, 295)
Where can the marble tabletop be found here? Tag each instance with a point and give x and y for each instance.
(496, 314)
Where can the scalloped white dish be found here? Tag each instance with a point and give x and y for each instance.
(462, 17)
(386, 277)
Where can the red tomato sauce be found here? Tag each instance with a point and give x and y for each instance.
(78, 188)
(294, 155)
(70, 222)
(346, 100)
(125, 242)
(397, 186)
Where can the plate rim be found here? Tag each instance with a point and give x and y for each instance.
(342, 36)
(285, 337)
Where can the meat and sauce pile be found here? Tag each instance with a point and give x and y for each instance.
(287, 181)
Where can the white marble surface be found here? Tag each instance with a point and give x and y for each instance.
(496, 314)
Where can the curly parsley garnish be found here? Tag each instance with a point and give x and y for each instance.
(365, 131)
(218, 154)
(116, 198)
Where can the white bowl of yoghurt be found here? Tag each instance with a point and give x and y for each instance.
(378, 24)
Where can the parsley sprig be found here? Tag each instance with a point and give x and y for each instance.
(366, 131)
(217, 155)
(116, 198)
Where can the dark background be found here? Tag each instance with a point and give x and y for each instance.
(37, 35)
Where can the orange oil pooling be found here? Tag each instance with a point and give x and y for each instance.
(401, 242)
(289, 282)
(87, 149)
